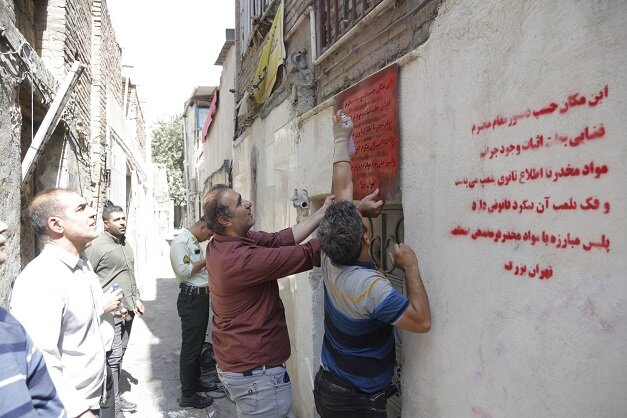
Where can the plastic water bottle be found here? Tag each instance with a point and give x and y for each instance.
(114, 288)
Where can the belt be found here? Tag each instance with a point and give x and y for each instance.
(250, 371)
(338, 386)
(193, 290)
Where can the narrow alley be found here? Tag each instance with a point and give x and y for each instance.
(471, 153)
(150, 374)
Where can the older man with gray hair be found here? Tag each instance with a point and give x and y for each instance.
(360, 305)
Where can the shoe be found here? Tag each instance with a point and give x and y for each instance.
(119, 414)
(206, 385)
(195, 401)
(123, 405)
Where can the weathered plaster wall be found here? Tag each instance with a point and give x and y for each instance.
(219, 143)
(135, 119)
(10, 178)
(502, 344)
(266, 170)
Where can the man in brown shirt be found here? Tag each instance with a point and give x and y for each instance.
(250, 337)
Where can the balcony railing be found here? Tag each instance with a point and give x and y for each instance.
(336, 17)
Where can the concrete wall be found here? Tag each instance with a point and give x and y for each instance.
(218, 146)
(132, 184)
(266, 170)
(193, 159)
(514, 345)
(503, 343)
(10, 169)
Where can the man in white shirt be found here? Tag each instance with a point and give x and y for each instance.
(58, 300)
(188, 263)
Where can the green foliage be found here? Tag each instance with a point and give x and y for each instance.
(167, 149)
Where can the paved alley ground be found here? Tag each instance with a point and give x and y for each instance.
(151, 372)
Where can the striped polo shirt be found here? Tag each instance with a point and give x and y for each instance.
(360, 309)
(26, 389)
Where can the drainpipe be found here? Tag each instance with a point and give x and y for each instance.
(125, 101)
(358, 27)
(312, 30)
(313, 34)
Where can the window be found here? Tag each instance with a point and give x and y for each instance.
(255, 20)
(336, 17)
(201, 115)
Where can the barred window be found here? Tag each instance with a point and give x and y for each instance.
(255, 21)
(336, 17)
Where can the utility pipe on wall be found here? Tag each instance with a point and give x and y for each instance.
(312, 30)
(312, 33)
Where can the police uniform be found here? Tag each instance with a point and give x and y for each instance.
(192, 305)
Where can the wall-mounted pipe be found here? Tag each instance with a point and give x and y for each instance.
(312, 30)
(313, 36)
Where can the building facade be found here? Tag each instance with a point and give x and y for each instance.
(508, 183)
(66, 49)
(197, 108)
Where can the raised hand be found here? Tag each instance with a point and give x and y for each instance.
(370, 206)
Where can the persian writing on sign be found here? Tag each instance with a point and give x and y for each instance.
(590, 133)
(373, 106)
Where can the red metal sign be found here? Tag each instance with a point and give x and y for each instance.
(373, 106)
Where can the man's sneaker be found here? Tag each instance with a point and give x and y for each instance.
(119, 414)
(195, 401)
(122, 404)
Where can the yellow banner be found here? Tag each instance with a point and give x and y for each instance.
(272, 57)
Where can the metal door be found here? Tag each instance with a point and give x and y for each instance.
(387, 230)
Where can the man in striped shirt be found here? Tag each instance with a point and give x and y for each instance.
(360, 305)
(26, 389)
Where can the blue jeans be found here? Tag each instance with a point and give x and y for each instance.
(266, 393)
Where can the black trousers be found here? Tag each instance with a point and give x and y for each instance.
(336, 399)
(107, 408)
(194, 313)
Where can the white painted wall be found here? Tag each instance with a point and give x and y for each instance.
(282, 166)
(219, 144)
(126, 157)
(501, 345)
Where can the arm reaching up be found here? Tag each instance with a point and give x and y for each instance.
(342, 176)
(417, 317)
(303, 229)
(369, 206)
